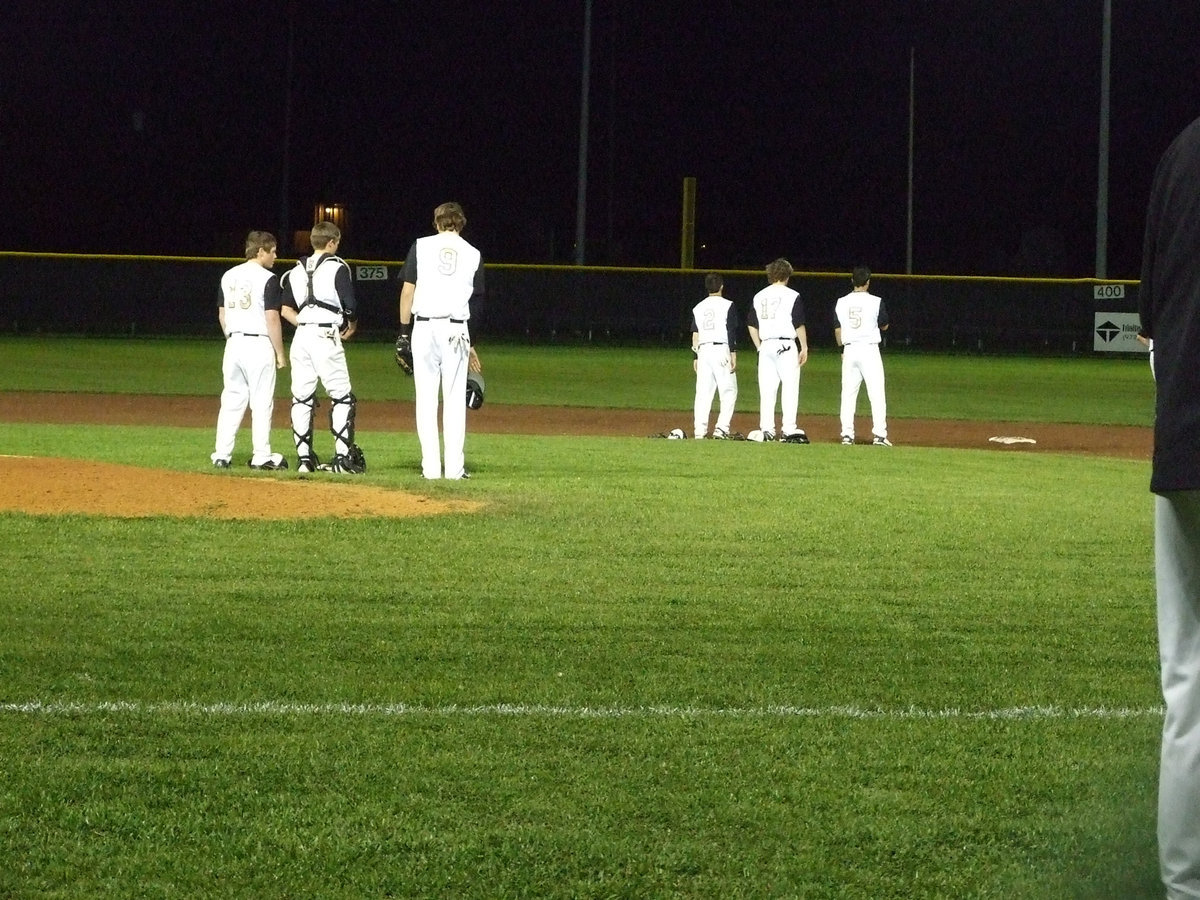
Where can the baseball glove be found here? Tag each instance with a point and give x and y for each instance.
(404, 357)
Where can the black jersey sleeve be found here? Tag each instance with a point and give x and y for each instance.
(410, 265)
(731, 327)
(476, 304)
(884, 321)
(798, 312)
(478, 289)
(273, 294)
(344, 285)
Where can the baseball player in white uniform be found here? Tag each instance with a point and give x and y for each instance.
(442, 273)
(776, 325)
(249, 317)
(319, 301)
(714, 346)
(862, 319)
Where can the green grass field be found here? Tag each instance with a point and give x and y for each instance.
(643, 669)
(1076, 390)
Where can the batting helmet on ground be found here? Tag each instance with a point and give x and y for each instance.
(474, 390)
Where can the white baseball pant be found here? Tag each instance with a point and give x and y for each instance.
(1177, 575)
(248, 369)
(779, 372)
(441, 349)
(714, 376)
(862, 363)
(317, 354)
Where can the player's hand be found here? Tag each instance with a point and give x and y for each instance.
(732, 362)
(473, 363)
(348, 329)
(803, 355)
(281, 362)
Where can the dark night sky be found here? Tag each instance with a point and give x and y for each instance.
(130, 127)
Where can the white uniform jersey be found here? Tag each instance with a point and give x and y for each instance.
(246, 293)
(712, 322)
(859, 315)
(446, 271)
(776, 312)
(714, 329)
(331, 298)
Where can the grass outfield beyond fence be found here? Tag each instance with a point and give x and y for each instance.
(642, 669)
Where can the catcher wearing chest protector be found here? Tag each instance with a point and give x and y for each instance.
(319, 300)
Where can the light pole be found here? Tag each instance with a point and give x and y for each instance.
(581, 195)
(285, 237)
(1102, 179)
(908, 248)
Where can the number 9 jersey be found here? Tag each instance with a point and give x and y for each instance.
(450, 272)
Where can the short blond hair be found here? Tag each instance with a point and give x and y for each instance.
(322, 233)
(449, 217)
(259, 240)
(779, 270)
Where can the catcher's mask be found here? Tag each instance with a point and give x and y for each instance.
(474, 390)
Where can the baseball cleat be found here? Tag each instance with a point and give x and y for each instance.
(346, 466)
(795, 437)
(847, 441)
(220, 463)
(307, 464)
(881, 442)
(274, 464)
(768, 435)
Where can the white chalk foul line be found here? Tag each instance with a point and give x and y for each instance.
(384, 710)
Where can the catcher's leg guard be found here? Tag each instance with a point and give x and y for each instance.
(349, 456)
(303, 411)
(341, 422)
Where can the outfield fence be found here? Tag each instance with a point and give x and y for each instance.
(115, 295)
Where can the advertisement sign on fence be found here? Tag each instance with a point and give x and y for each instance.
(1116, 332)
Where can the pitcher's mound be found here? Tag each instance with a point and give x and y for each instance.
(45, 485)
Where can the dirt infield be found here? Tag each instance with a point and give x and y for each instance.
(56, 486)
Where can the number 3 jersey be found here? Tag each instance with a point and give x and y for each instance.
(446, 272)
(247, 292)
